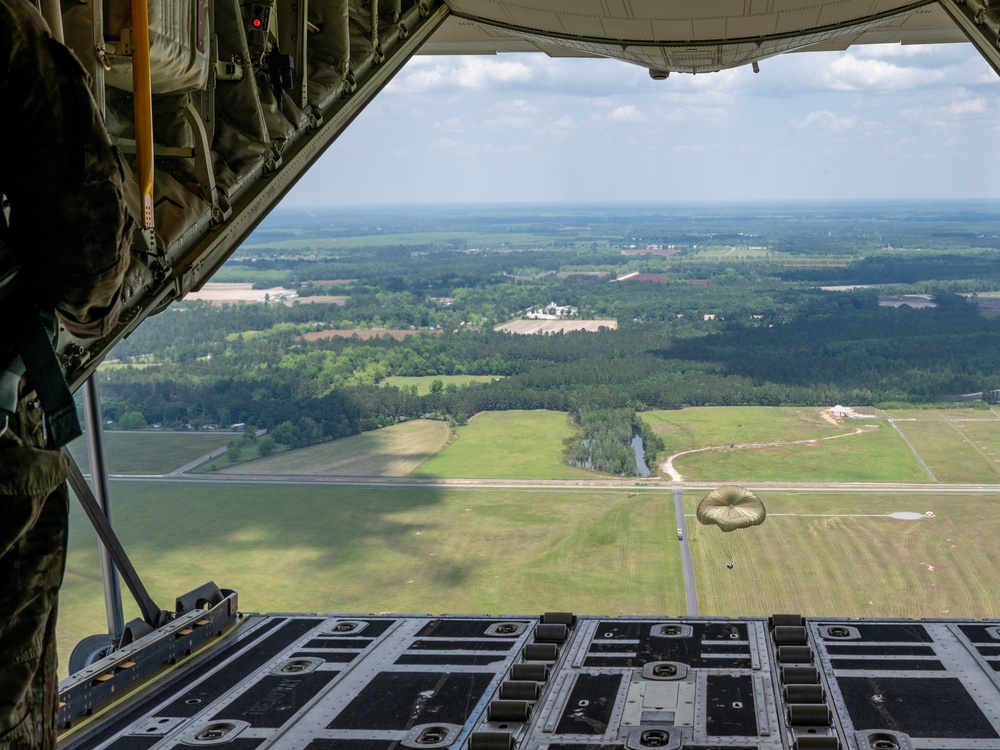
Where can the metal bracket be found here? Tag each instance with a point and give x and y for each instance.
(980, 24)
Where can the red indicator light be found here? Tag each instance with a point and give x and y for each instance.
(256, 23)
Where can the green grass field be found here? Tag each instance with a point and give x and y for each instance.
(590, 550)
(423, 382)
(488, 240)
(721, 252)
(390, 452)
(508, 445)
(958, 445)
(832, 563)
(707, 426)
(424, 550)
(876, 455)
(150, 451)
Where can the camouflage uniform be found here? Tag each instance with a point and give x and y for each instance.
(70, 233)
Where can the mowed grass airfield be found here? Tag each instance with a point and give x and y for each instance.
(564, 545)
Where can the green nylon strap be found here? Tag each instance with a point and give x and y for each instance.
(26, 345)
(32, 342)
(10, 381)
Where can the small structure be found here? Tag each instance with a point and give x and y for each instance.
(636, 276)
(551, 311)
(846, 412)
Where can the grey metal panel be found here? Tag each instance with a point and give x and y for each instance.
(679, 18)
(374, 701)
(752, 19)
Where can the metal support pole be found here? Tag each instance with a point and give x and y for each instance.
(99, 483)
(52, 13)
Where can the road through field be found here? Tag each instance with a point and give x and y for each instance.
(668, 465)
(566, 484)
(299, 543)
(690, 593)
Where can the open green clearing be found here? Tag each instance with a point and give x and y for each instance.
(390, 452)
(875, 455)
(461, 239)
(508, 445)
(423, 382)
(324, 549)
(605, 551)
(830, 564)
(150, 451)
(729, 252)
(710, 426)
(961, 445)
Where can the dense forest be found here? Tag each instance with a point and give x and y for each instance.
(721, 324)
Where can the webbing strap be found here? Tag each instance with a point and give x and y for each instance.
(27, 340)
(152, 614)
(10, 381)
(33, 344)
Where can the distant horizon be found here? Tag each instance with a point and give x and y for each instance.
(977, 202)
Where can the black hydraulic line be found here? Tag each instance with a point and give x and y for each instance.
(152, 614)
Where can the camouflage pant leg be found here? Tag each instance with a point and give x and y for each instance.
(34, 504)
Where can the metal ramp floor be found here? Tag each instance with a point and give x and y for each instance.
(363, 682)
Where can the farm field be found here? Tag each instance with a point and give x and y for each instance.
(362, 333)
(313, 241)
(875, 455)
(317, 299)
(390, 452)
(324, 549)
(960, 445)
(534, 327)
(423, 382)
(729, 252)
(221, 292)
(150, 451)
(508, 445)
(825, 562)
(708, 426)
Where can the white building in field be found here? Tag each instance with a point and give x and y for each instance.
(551, 311)
(846, 412)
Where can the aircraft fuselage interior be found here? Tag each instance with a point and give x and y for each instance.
(219, 107)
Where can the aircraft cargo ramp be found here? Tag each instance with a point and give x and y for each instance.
(387, 682)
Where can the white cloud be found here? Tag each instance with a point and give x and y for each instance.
(965, 107)
(516, 125)
(509, 122)
(689, 148)
(512, 114)
(516, 106)
(451, 125)
(827, 120)
(946, 116)
(566, 122)
(626, 113)
(853, 73)
(713, 116)
(466, 72)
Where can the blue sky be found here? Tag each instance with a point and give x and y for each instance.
(878, 122)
